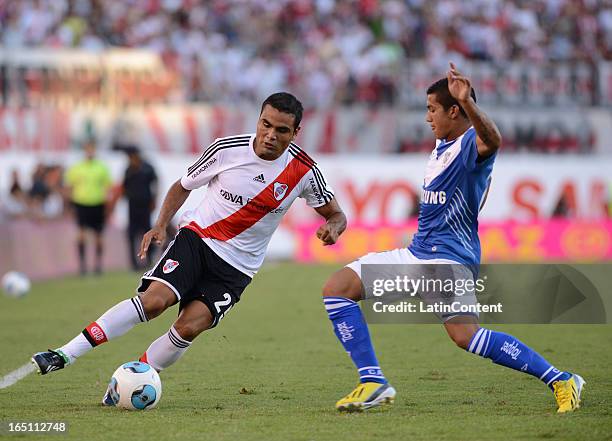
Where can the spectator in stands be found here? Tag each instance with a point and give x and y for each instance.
(52, 206)
(45, 198)
(39, 189)
(88, 183)
(139, 187)
(15, 204)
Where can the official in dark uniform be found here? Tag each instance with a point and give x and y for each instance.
(139, 187)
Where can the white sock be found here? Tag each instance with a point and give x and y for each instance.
(122, 317)
(166, 350)
(113, 323)
(75, 348)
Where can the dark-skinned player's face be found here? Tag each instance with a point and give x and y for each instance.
(439, 119)
(275, 132)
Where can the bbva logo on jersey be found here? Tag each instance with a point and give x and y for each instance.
(280, 190)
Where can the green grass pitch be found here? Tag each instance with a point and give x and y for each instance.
(273, 370)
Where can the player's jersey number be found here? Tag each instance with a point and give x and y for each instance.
(221, 303)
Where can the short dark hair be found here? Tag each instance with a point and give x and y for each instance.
(440, 90)
(286, 103)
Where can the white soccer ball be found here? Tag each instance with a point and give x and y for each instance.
(15, 284)
(135, 386)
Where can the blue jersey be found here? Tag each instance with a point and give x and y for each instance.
(454, 189)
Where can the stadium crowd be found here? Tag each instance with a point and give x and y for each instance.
(344, 51)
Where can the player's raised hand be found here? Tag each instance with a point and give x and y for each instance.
(459, 85)
(157, 234)
(328, 234)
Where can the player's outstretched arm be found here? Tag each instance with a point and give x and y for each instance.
(488, 138)
(175, 198)
(335, 222)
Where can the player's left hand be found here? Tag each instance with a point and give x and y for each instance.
(459, 86)
(327, 234)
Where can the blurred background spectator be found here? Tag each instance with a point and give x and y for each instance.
(15, 203)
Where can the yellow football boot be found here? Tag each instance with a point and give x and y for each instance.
(567, 393)
(365, 396)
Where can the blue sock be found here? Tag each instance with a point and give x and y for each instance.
(352, 331)
(508, 351)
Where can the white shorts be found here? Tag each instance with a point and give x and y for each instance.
(415, 268)
(398, 256)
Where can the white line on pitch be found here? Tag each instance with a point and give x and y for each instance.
(16, 375)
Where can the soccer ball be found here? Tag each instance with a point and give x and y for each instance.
(15, 284)
(135, 386)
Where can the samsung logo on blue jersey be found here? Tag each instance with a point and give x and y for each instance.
(433, 197)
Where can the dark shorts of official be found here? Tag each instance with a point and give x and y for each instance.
(90, 216)
(194, 272)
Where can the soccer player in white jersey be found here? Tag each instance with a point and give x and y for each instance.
(455, 185)
(252, 181)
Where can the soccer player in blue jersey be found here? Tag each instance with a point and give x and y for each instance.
(456, 183)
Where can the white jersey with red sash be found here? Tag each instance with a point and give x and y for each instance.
(247, 197)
